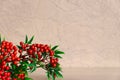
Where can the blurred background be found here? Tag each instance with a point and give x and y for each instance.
(88, 31)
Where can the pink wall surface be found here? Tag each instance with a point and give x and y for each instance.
(87, 30)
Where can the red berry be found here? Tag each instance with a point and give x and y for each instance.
(30, 51)
(5, 73)
(47, 50)
(24, 47)
(45, 47)
(52, 61)
(3, 66)
(8, 78)
(7, 68)
(5, 53)
(1, 72)
(35, 49)
(15, 62)
(18, 59)
(15, 52)
(13, 58)
(1, 57)
(7, 47)
(2, 46)
(2, 50)
(8, 50)
(22, 76)
(15, 48)
(56, 60)
(21, 43)
(8, 59)
(20, 51)
(7, 43)
(4, 62)
(3, 77)
(38, 45)
(39, 55)
(54, 65)
(27, 45)
(14, 79)
(8, 73)
(51, 53)
(41, 50)
(10, 44)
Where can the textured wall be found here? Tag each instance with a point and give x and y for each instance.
(87, 30)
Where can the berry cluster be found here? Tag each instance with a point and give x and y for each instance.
(8, 56)
(37, 50)
(34, 49)
(17, 61)
(53, 61)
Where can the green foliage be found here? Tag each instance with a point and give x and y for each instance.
(29, 41)
(57, 70)
(48, 75)
(58, 74)
(30, 64)
(51, 72)
(57, 56)
(53, 48)
(33, 67)
(26, 39)
(24, 65)
(14, 70)
(53, 77)
(19, 47)
(27, 78)
(59, 52)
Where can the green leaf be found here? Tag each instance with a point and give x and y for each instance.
(58, 68)
(36, 56)
(53, 78)
(19, 46)
(26, 73)
(13, 66)
(59, 52)
(30, 41)
(33, 67)
(44, 55)
(53, 48)
(26, 39)
(27, 78)
(58, 74)
(34, 60)
(57, 56)
(24, 65)
(48, 75)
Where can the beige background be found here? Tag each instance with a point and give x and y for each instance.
(87, 30)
